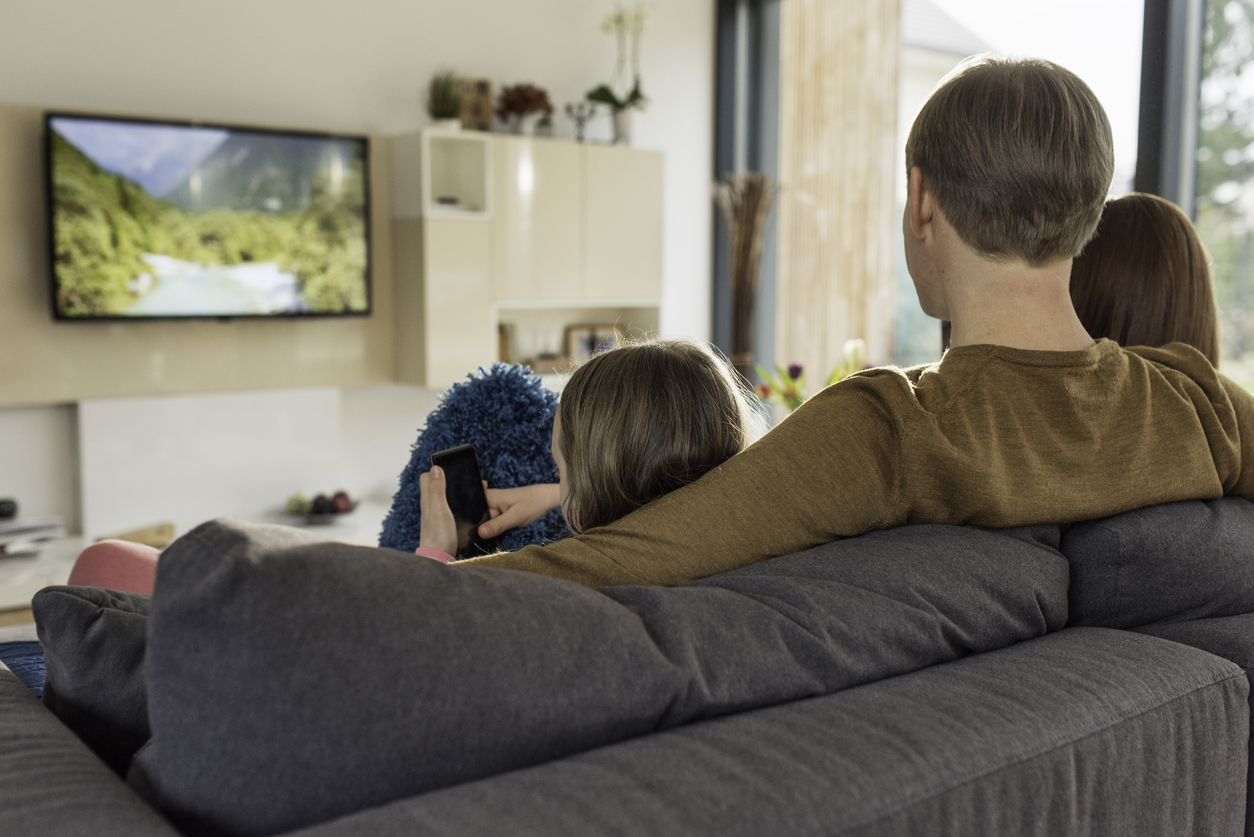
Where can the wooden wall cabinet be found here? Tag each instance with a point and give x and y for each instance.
(535, 233)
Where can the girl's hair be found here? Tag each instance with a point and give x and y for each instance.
(1143, 279)
(644, 419)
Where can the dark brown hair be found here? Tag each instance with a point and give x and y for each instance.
(1143, 280)
(1019, 156)
(642, 420)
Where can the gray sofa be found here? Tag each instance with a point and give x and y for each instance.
(926, 680)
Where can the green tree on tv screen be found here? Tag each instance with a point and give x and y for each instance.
(104, 225)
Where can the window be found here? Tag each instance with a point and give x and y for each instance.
(1224, 210)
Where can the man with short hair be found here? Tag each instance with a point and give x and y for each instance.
(1026, 419)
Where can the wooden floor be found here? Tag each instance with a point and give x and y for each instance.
(16, 617)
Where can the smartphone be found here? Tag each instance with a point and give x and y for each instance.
(464, 490)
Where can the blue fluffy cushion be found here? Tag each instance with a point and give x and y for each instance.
(508, 416)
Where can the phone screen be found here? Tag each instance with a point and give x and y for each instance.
(464, 490)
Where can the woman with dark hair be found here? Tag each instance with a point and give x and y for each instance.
(1143, 279)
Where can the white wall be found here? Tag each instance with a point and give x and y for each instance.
(363, 66)
(39, 460)
(355, 67)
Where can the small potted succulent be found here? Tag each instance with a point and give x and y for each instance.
(522, 106)
(444, 100)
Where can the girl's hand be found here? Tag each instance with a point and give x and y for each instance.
(439, 528)
(514, 507)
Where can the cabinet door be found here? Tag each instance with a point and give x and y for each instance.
(623, 218)
(460, 335)
(538, 226)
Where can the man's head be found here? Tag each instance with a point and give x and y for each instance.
(1019, 157)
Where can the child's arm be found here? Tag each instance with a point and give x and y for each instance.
(439, 528)
(514, 507)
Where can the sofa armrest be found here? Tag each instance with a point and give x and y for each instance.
(50, 783)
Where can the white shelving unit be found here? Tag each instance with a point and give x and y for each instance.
(458, 170)
(538, 234)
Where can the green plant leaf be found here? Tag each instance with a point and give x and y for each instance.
(636, 98)
(604, 95)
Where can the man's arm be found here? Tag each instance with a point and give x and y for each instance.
(1225, 411)
(830, 470)
(1239, 479)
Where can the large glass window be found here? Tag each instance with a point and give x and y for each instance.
(1225, 175)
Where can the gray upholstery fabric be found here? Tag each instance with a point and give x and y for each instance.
(1083, 732)
(94, 643)
(1188, 560)
(377, 675)
(51, 784)
(1232, 638)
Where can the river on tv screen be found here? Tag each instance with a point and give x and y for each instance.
(174, 221)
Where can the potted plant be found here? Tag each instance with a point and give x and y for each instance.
(627, 25)
(788, 386)
(444, 100)
(522, 105)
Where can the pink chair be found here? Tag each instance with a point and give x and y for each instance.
(116, 565)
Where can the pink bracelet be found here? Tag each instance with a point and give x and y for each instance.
(434, 554)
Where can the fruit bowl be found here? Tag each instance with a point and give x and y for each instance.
(327, 517)
(322, 509)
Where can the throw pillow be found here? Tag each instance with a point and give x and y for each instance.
(508, 416)
(94, 642)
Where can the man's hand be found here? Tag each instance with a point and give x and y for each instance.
(439, 528)
(514, 507)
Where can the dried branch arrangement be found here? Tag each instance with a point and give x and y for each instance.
(745, 200)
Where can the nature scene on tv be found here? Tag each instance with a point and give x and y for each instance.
(152, 220)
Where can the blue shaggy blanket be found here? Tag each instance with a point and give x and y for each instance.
(508, 416)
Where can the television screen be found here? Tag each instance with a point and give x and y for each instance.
(162, 219)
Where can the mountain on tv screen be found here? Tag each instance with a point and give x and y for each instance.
(179, 220)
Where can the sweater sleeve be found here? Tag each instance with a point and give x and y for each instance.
(1224, 411)
(1237, 472)
(830, 470)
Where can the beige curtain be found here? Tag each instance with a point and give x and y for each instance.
(838, 111)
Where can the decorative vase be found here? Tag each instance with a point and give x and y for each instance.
(525, 124)
(451, 124)
(622, 126)
(745, 200)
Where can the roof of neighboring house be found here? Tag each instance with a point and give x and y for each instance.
(923, 24)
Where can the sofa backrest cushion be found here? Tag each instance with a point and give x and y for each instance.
(1188, 560)
(291, 682)
(94, 642)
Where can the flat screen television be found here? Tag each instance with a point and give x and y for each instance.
(175, 219)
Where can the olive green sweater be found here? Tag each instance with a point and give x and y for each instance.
(990, 436)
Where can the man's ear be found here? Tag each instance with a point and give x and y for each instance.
(919, 203)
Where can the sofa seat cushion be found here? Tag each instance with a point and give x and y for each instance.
(1230, 637)
(292, 681)
(94, 641)
(1084, 732)
(1169, 563)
